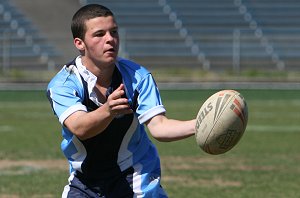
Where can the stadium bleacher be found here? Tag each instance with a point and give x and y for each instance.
(22, 45)
(212, 34)
(280, 29)
(148, 36)
(208, 34)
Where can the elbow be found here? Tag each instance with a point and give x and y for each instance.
(81, 134)
(165, 139)
(84, 133)
(161, 138)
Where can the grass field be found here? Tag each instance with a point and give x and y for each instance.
(265, 163)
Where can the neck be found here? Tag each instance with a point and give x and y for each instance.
(104, 76)
(102, 72)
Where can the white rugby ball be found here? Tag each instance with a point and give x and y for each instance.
(221, 122)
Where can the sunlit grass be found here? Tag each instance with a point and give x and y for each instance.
(265, 163)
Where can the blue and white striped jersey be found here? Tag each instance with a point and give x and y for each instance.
(124, 143)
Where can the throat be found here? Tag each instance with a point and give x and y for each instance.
(101, 93)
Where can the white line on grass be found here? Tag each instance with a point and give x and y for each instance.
(268, 128)
(6, 128)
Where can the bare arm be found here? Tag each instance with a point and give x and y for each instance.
(165, 130)
(89, 124)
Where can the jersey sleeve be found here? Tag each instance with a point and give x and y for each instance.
(149, 99)
(64, 100)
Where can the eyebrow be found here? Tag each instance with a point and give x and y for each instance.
(101, 30)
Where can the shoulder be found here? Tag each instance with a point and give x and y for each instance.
(132, 68)
(66, 79)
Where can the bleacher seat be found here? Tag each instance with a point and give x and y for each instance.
(280, 26)
(147, 34)
(22, 46)
(174, 33)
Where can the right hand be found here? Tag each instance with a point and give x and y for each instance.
(116, 104)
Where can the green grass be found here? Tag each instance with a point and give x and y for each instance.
(265, 163)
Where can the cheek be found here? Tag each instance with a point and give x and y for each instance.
(96, 46)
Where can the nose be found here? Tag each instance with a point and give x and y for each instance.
(109, 36)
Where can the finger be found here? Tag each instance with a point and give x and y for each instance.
(121, 110)
(118, 101)
(118, 104)
(121, 87)
(118, 93)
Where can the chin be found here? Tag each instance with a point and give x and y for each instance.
(109, 62)
(113, 58)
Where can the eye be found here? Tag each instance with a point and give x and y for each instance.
(99, 34)
(114, 32)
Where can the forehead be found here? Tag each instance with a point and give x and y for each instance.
(100, 23)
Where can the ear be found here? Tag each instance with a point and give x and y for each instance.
(79, 44)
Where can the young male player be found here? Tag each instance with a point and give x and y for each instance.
(103, 102)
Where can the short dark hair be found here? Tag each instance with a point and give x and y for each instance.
(85, 13)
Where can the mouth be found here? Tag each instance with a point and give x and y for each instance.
(110, 50)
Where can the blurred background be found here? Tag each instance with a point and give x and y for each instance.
(194, 41)
(200, 46)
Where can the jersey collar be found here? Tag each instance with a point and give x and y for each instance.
(90, 79)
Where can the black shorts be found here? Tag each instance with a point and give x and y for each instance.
(114, 187)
